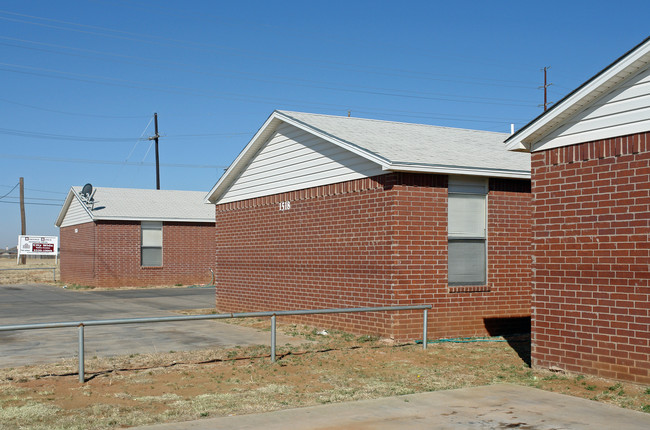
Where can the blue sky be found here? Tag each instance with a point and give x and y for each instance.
(82, 79)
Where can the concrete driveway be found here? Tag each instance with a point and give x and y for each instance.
(502, 406)
(26, 304)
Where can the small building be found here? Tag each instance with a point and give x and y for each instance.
(591, 224)
(133, 237)
(322, 211)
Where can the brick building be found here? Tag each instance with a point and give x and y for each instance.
(591, 211)
(329, 212)
(132, 237)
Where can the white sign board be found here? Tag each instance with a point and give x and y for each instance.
(38, 245)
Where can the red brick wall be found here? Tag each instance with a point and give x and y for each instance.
(503, 304)
(329, 250)
(371, 242)
(592, 219)
(188, 254)
(77, 259)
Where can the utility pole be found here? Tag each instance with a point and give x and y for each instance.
(545, 88)
(23, 226)
(155, 138)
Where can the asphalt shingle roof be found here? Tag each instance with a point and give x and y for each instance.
(159, 205)
(395, 146)
(418, 144)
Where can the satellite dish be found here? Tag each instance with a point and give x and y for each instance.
(87, 193)
(87, 190)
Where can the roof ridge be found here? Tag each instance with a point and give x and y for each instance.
(140, 189)
(288, 113)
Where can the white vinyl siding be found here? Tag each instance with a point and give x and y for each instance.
(294, 159)
(623, 110)
(76, 214)
(151, 243)
(467, 215)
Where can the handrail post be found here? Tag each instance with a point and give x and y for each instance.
(82, 377)
(272, 338)
(425, 323)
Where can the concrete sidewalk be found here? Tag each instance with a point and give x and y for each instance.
(490, 407)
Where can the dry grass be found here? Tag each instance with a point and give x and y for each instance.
(141, 389)
(177, 386)
(40, 276)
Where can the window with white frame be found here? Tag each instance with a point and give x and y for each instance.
(467, 233)
(151, 250)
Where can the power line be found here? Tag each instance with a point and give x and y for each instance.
(343, 40)
(248, 133)
(71, 113)
(187, 44)
(227, 96)
(37, 190)
(247, 75)
(51, 136)
(139, 139)
(27, 203)
(15, 186)
(108, 162)
(39, 71)
(35, 198)
(43, 191)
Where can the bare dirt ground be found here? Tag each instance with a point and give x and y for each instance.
(40, 276)
(177, 386)
(141, 389)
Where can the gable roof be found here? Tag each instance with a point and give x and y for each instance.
(393, 146)
(626, 66)
(129, 204)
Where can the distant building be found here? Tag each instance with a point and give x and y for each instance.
(8, 252)
(591, 224)
(334, 212)
(134, 237)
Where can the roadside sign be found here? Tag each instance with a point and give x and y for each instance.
(38, 245)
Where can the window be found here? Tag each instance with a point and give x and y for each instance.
(466, 221)
(151, 254)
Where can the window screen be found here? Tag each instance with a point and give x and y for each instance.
(466, 262)
(466, 216)
(151, 254)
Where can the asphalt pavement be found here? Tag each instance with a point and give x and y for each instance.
(27, 304)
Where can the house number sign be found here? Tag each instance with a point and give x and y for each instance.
(285, 206)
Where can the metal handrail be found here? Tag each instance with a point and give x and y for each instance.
(53, 269)
(82, 324)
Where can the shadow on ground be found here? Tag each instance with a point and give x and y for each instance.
(515, 330)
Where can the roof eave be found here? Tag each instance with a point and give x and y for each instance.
(460, 170)
(72, 194)
(161, 219)
(230, 174)
(526, 137)
(517, 146)
(269, 126)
